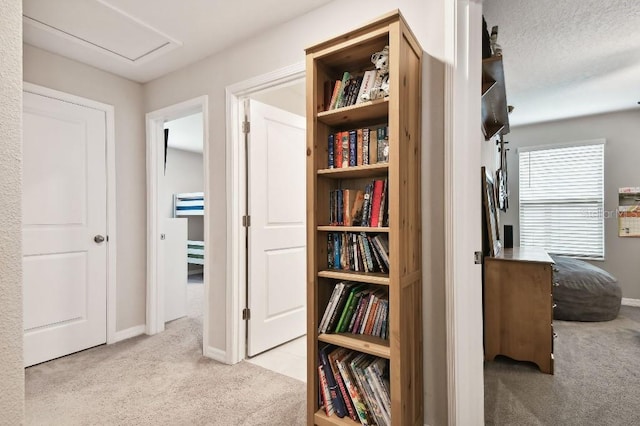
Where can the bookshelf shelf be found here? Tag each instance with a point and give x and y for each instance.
(361, 277)
(359, 342)
(368, 171)
(327, 228)
(321, 419)
(400, 291)
(364, 112)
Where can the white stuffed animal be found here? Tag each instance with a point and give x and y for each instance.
(380, 87)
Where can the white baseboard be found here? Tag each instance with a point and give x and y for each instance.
(216, 354)
(630, 302)
(129, 333)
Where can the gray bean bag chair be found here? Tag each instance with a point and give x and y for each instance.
(583, 292)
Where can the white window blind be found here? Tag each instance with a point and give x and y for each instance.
(562, 199)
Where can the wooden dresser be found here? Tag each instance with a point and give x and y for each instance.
(518, 306)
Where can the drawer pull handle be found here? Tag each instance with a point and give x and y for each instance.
(554, 305)
(556, 284)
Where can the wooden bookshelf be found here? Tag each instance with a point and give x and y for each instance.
(495, 113)
(401, 112)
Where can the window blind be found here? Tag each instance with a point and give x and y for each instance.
(562, 199)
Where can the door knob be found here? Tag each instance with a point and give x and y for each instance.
(98, 239)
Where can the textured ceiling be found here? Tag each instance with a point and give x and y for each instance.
(193, 29)
(568, 58)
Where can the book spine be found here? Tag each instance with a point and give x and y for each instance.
(345, 149)
(364, 302)
(373, 146)
(327, 310)
(375, 202)
(345, 79)
(359, 148)
(365, 205)
(353, 148)
(354, 315)
(351, 306)
(345, 310)
(331, 145)
(367, 252)
(344, 252)
(330, 256)
(339, 307)
(365, 146)
(324, 388)
(365, 318)
(346, 210)
(334, 96)
(337, 150)
(342, 386)
(379, 265)
(334, 391)
(340, 205)
(383, 145)
(354, 393)
(336, 250)
(382, 218)
(363, 254)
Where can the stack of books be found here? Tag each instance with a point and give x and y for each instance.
(354, 385)
(368, 207)
(358, 252)
(358, 147)
(357, 309)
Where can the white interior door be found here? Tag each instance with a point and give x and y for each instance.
(174, 261)
(63, 209)
(277, 235)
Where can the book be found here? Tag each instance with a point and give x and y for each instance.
(382, 246)
(344, 252)
(373, 146)
(330, 306)
(367, 252)
(350, 309)
(336, 397)
(353, 148)
(365, 317)
(328, 92)
(347, 92)
(383, 145)
(383, 217)
(340, 207)
(367, 82)
(324, 392)
(346, 207)
(331, 145)
(334, 96)
(366, 205)
(359, 150)
(345, 78)
(365, 146)
(337, 150)
(342, 359)
(356, 309)
(375, 202)
(356, 365)
(343, 315)
(336, 250)
(345, 149)
(330, 255)
(362, 307)
(379, 264)
(374, 382)
(351, 411)
(356, 210)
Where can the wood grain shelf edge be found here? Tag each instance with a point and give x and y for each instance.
(360, 342)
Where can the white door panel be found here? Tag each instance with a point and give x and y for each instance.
(277, 235)
(64, 207)
(174, 259)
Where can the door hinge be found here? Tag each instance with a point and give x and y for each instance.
(107, 238)
(246, 221)
(477, 258)
(246, 314)
(246, 127)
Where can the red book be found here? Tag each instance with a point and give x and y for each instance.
(375, 202)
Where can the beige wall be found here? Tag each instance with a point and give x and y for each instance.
(11, 368)
(283, 46)
(53, 71)
(621, 154)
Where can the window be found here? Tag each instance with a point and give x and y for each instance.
(562, 198)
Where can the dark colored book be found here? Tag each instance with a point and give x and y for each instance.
(381, 266)
(356, 209)
(330, 256)
(384, 208)
(353, 148)
(351, 411)
(366, 206)
(356, 306)
(331, 145)
(350, 307)
(362, 307)
(344, 252)
(336, 397)
(336, 250)
(340, 206)
(324, 392)
(367, 252)
(383, 145)
(345, 149)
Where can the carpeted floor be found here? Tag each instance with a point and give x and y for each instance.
(596, 381)
(160, 380)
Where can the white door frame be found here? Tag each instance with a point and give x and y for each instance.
(155, 138)
(465, 375)
(236, 199)
(111, 191)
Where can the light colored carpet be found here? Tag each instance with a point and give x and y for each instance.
(596, 381)
(160, 380)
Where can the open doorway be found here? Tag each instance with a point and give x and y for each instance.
(272, 202)
(177, 184)
(182, 205)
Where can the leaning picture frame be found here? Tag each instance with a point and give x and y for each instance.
(491, 213)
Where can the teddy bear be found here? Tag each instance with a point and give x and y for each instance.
(380, 87)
